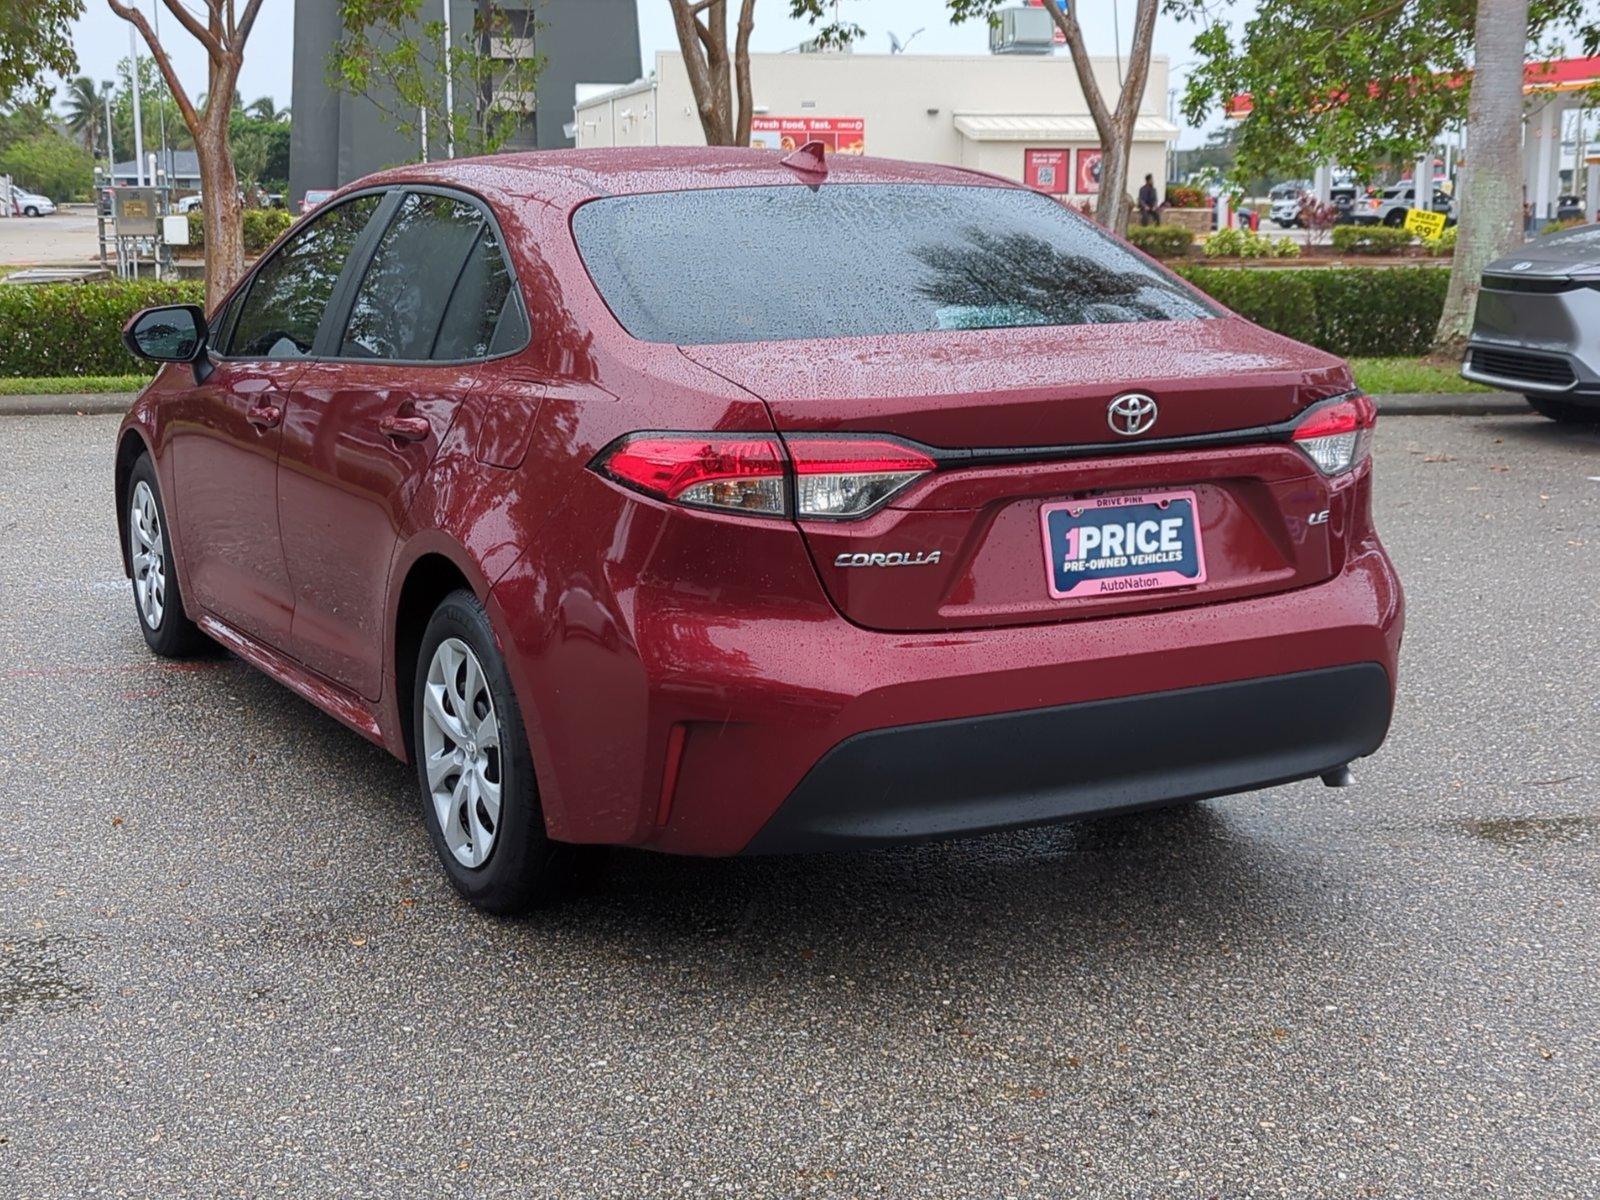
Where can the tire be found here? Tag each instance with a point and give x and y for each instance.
(1395, 219)
(157, 597)
(500, 861)
(30, 211)
(1565, 411)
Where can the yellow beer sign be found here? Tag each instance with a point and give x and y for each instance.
(1424, 224)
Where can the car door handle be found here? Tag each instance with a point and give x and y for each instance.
(404, 429)
(264, 416)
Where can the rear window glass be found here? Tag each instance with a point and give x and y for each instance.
(851, 260)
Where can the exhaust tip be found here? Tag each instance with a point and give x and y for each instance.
(1338, 777)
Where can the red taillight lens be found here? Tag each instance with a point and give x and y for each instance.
(851, 477)
(835, 477)
(732, 473)
(1337, 436)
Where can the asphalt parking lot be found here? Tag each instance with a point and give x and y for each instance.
(229, 965)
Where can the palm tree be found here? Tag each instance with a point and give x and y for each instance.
(264, 109)
(85, 109)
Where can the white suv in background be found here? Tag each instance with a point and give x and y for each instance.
(26, 204)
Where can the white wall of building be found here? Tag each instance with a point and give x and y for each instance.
(909, 103)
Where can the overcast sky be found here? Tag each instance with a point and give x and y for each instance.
(102, 39)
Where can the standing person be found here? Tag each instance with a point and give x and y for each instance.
(1149, 203)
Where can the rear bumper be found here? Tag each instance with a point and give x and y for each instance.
(947, 778)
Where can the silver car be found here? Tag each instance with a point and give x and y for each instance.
(1537, 329)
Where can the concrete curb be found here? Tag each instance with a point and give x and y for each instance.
(86, 404)
(1455, 404)
(1452, 404)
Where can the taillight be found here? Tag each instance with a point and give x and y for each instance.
(1337, 436)
(730, 473)
(835, 478)
(851, 477)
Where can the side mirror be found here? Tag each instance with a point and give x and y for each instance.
(172, 333)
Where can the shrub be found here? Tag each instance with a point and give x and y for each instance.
(1442, 246)
(1181, 195)
(1560, 226)
(1162, 241)
(261, 228)
(1247, 243)
(1372, 312)
(76, 328)
(1370, 239)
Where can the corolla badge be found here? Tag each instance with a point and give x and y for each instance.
(1522, 266)
(895, 558)
(1131, 413)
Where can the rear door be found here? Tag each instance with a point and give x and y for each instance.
(401, 352)
(228, 430)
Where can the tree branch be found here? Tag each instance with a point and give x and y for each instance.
(188, 20)
(191, 118)
(1068, 24)
(246, 23)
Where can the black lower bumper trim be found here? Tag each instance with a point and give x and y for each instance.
(979, 774)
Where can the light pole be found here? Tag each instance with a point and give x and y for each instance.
(138, 119)
(449, 91)
(111, 158)
(161, 111)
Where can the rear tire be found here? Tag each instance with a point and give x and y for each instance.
(157, 598)
(30, 211)
(479, 795)
(1565, 411)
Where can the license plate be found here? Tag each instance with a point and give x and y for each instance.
(1122, 545)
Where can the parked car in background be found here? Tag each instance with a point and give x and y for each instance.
(188, 204)
(1535, 331)
(626, 532)
(1288, 207)
(314, 197)
(31, 204)
(1390, 206)
(1570, 208)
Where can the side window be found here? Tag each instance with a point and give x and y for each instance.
(280, 313)
(484, 316)
(401, 302)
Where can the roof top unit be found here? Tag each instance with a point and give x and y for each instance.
(1022, 31)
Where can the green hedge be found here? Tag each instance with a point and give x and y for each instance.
(76, 328)
(1378, 312)
(1162, 241)
(1372, 312)
(1370, 239)
(261, 228)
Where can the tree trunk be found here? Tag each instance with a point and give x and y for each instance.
(221, 213)
(1115, 126)
(741, 71)
(705, 58)
(1491, 191)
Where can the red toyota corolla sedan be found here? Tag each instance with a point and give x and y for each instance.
(718, 502)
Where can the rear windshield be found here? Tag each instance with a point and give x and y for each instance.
(778, 263)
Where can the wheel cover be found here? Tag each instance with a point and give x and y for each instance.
(147, 553)
(461, 752)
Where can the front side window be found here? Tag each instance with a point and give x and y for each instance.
(854, 260)
(402, 300)
(281, 311)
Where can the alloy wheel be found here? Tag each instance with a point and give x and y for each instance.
(461, 752)
(147, 552)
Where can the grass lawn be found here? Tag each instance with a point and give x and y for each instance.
(62, 385)
(1387, 376)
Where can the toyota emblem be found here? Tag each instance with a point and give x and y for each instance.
(1131, 414)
